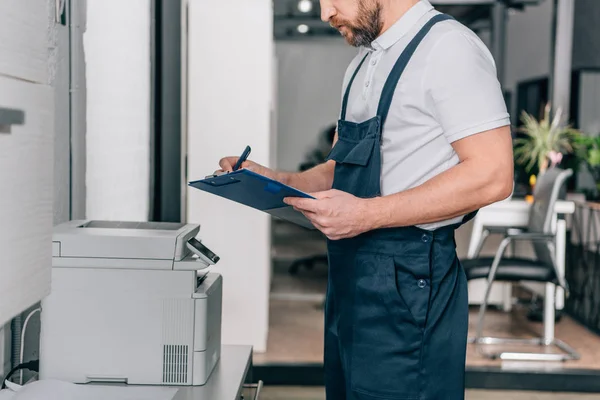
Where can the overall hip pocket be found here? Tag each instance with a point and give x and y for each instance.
(387, 336)
(413, 287)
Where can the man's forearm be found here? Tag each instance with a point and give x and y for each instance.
(316, 179)
(458, 191)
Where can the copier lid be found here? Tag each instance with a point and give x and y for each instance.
(123, 240)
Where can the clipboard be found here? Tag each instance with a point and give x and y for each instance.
(256, 191)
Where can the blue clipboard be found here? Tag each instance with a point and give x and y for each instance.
(257, 191)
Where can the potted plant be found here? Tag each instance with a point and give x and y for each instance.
(587, 149)
(544, 142)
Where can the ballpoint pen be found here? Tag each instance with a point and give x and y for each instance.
(242, 158)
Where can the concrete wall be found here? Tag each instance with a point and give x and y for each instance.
(586, 34)
(529, 46)
(586, 54)
(309, 92)
(229, 107)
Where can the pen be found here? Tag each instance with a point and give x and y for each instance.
(243, 158)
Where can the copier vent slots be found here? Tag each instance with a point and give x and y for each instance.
(175, 363)
(177, 320)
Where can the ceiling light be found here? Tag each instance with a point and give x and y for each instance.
(305, 6)
(303, 28)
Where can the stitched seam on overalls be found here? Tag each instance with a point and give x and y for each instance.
(424, 330)
(385, 253)
(389, 396)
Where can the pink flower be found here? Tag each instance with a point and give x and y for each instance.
(555, 158)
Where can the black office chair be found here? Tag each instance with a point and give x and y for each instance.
(542, 268)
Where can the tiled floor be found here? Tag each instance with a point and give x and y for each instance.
(310, 393)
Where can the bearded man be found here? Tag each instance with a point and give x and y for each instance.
(423, 141)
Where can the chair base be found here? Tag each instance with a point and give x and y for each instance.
(568, 352)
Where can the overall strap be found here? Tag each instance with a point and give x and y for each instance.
(392, 81)
(347, 94)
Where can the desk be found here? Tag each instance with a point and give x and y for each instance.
(226, 381)
(515, 213)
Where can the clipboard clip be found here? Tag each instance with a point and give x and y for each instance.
(215, 175)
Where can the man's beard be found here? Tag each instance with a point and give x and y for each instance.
(367, 27)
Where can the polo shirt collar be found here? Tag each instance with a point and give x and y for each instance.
(402, 26)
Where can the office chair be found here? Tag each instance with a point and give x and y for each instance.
(542, 268)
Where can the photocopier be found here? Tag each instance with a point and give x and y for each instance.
(131, 302)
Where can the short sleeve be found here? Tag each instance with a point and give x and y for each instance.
(463, 88)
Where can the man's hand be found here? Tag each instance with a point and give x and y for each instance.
(227, 164)
(337, 214)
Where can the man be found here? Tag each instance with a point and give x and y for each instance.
(422, 142)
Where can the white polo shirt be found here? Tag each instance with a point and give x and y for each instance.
(448, 91)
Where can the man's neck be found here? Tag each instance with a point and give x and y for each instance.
(393, 10)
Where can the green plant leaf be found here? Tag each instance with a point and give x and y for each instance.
(542, 137)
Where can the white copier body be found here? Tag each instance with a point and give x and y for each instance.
(130, 303)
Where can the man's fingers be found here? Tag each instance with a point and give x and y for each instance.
(302, 204)
(248, 165)
(227, 163)
(313, 218)
(322, 195)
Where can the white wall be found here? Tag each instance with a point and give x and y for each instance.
(28, 46)
(230, 100)
(309, 91)
(117, 53)
(528, 45)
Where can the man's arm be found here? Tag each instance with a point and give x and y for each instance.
(483, 176)
(316, 179)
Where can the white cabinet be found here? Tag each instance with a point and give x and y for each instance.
(24, 38)
(26, 194)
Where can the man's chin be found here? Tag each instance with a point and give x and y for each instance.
(348, 37)
(350, 40)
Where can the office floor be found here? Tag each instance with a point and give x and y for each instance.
(296, 318)
(310, 393)
(296, 336)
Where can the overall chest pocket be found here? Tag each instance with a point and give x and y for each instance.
(352, 152)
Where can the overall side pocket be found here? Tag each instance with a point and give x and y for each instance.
(386, 344)
(413, 286)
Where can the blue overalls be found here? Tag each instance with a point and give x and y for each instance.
(396, 313)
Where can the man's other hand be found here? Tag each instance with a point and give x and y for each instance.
(339, 215)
